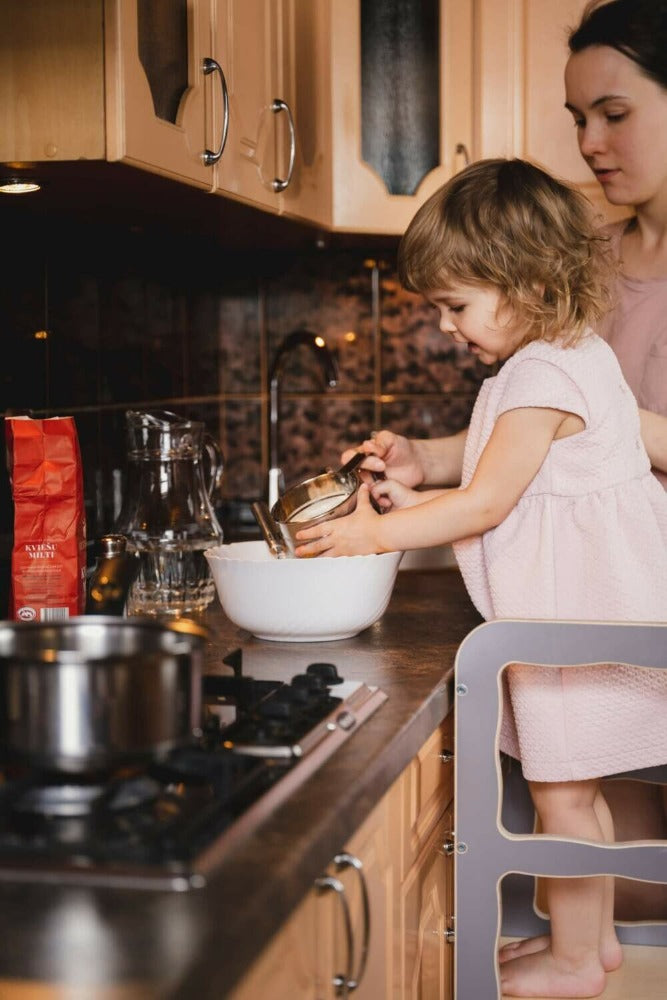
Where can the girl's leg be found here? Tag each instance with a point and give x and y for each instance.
(579, 910)
(611, 954)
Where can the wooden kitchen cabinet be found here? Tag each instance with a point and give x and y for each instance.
(384, 108)
(371, 846)
(408, 872)
(108, 80)
(427, 787)
(288, 968)
(423, 813)
(373, 125)
(125, 80)
(136, 81)
(377, 109)
(500, 92)
(52, 81)
(426, 967)
(249, 35)
(309, 955)
(259, 42)
(158, 96)
(247, 106)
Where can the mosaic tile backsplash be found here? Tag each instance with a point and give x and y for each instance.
(122, 321)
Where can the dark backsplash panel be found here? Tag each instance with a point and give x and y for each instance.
(135, 321)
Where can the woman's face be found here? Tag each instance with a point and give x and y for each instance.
(621, 121)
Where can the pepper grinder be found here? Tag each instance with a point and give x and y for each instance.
(112, 577)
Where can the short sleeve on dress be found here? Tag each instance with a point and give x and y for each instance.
(534, 382)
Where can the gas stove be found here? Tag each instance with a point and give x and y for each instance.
(167, 823)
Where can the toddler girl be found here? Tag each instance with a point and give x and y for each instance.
(558, 515)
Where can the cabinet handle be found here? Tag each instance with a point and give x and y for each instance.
(446, 756)
(449, 844)
(212, 66)
(462, 150)
(327, 883)
(342, 861)
(277, 106)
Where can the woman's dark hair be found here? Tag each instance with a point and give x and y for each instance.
(635, 28)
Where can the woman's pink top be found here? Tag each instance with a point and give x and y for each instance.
(636, 330)
(587, 540)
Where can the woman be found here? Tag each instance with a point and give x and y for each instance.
(616, 91)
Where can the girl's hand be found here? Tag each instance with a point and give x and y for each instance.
(389, 494)
(392, 454)
(353, 535)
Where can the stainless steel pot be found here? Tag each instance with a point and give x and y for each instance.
(91, 693)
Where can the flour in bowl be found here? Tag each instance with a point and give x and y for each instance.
(317, 507)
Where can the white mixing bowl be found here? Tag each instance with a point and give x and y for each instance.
(301, 600)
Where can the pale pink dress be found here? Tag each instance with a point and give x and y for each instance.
(586, 541)
(636, 329)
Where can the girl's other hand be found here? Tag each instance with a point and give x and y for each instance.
(389, 494)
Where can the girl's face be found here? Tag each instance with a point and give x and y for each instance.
(621, 121)
(477, 315)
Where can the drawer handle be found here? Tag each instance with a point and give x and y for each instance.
(279, 184)
(327, 883)
(446, 756)
(209, 156)
(346, 860)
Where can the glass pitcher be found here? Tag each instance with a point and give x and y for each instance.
(167, 516)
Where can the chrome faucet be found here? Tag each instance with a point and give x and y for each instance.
(330, 373)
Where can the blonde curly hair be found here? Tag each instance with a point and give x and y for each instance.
(509, 224)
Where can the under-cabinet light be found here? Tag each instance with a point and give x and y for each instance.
(18, 185)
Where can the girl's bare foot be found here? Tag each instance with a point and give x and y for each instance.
(524, 946)
(611, 953)
(539, 974)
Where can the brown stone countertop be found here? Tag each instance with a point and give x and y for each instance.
(79, 942)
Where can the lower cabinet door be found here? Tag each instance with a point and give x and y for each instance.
(426, 958)
(362, 915)
(288, 967)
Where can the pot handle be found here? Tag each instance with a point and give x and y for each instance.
(270, 530)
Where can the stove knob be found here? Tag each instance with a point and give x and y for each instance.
(311, 682)
(327, 671)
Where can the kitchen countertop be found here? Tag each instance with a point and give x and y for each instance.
(77, 942)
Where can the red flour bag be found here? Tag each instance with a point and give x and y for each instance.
(48, 576)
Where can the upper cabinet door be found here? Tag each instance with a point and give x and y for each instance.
(306, 85)
(158, 94)
(345, 113)
(249, 41)
(402, 106)
(52, 81)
